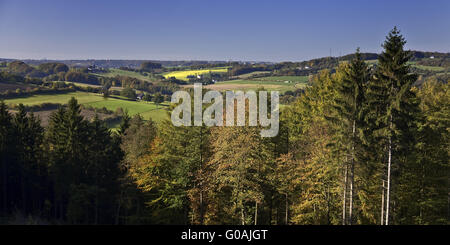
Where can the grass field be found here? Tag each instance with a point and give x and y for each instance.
(273, 83)
(430, 68)
(146, 109)
(118, 72)
(371, 62)
(247, 75)
(182, 75)
(414, 64)
(295, 79)
(85, 85)
(82, 97)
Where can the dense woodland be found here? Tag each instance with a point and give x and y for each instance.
(361, 145)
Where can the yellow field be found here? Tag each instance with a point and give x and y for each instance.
(182, 75)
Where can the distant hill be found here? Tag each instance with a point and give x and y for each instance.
(417, 55)
(115, 63)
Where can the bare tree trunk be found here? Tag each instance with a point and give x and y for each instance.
(382, 205)
(344, 199)
(350, 202)
(352, 176)
(201, 207)
(242, 215)
(287, 210)
(388, 179)
(256, 213)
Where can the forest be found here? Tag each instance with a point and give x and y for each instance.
(363, 144)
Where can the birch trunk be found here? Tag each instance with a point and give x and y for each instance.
(382, 205)
(352, 176)
(344, 201)
(388, 177)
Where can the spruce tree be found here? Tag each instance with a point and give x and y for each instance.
(7, 137)
(348, 119)
(390, 108)
(29, 135)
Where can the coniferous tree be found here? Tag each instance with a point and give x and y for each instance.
(348, 120)
(391, 108)
(425, 181)
(29, 137)
(6, 155)
(67, 137)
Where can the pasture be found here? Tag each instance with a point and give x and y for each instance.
(146, 109)
(274, 83)
(118, 72)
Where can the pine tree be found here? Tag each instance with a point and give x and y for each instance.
(6, 155)
(125, 123)
(67, 136)
(424, 184)
(391, 105)
(348, 119)
(29, 137)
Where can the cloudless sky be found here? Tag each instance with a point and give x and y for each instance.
(258, 30)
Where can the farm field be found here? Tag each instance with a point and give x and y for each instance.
(118, 72)
(414, 64)
(146, 109)
(255, 73)
(82, 97)
(430, 68)
(182, 75)
(294, 79)
(278, 83)
(85, 85)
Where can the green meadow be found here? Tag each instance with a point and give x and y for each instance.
(146, 109)
(278, 83)
(430, 68)
(294, 79)
(118, 72)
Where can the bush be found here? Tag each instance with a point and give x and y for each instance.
(129, 93)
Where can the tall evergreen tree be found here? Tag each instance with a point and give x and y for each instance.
(29, 138)
(348, 119)
(391, 108)
(6, 155)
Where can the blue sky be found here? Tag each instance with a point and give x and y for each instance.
(215, 30)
